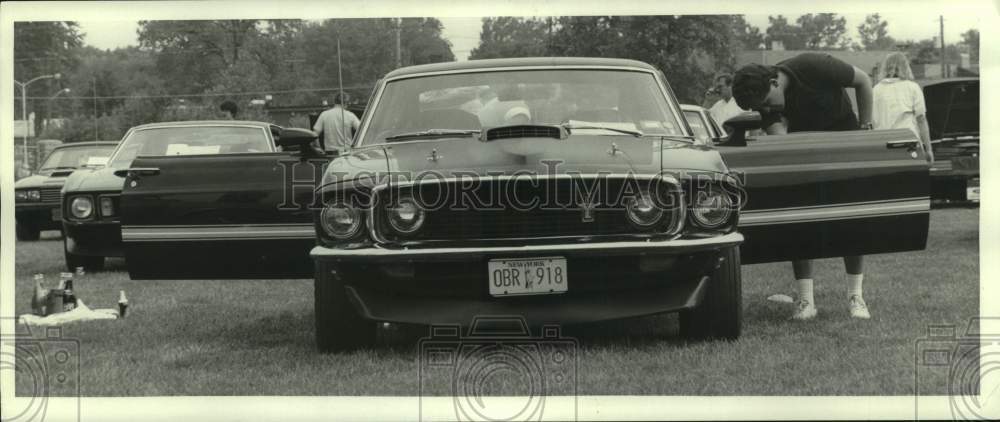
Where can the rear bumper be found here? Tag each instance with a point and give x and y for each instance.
(450, 285)
(94, 238)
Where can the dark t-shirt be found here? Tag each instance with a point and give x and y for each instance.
(815, 99)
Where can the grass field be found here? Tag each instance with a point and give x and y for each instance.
(256, 337)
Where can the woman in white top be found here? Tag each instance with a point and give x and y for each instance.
(898, 102)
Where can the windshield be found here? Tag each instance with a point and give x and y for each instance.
(624, 100)
(701, 134)
(190, 140)
(74, 157)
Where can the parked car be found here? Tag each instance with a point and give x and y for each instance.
(36, 198)
(609, 208)
(953, 120)
(91, 217)
(706, 129)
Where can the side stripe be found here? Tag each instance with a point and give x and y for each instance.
(217, 232)
(835, 212)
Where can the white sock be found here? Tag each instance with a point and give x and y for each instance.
(806, 290)
(854, 284)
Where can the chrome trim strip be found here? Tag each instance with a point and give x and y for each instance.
(681, 245)
(217, 232)
(834, 212)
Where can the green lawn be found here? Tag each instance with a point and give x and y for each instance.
(256, 337)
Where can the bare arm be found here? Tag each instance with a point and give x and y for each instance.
(863, 93)
(925, 137)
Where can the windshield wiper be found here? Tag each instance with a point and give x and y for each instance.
(432, 133)
(634, 133)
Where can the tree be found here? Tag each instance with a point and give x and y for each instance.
(746, 36)
(43, 48)
(790, 36)
(874, 35)
(513, 37)
(824, 31)
(970, 39)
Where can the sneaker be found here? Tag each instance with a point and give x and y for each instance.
(858, 308)
(804, 310)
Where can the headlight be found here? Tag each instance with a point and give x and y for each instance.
(341, 221)
(406, 216)
(34, 195)
(107, 207)
(642, 210)
(81, 207)
(20, 195)
(711, 209)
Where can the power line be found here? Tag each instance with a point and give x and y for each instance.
(219, 94)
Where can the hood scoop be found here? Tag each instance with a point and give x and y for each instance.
(62, 173)
(524, 131)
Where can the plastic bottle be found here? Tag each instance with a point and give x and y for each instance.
(39, 297)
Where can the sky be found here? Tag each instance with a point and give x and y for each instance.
(463, 32)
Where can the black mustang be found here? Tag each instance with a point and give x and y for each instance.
(563, 190)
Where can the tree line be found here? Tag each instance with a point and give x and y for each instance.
(185, 69)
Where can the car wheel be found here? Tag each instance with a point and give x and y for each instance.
(720, 314)
(339, 328)
(89, 263)
(26, 231)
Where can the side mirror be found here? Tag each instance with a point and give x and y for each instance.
(301, 140)
(737, 127)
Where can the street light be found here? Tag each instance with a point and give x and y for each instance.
(48, 106)
(24, 108)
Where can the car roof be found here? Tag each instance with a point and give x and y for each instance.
(205, 123)
(87, 144)
(518, 62)
(931, 82)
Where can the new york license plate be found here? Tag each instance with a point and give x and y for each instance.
(528, 276)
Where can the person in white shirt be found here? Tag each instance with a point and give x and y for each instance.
(726, 107)
(898, 102)
(336, 126)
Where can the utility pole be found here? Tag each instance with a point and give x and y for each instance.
(95, 109)
(944, 60)
(399, 54)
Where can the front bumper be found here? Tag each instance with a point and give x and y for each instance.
(41, 215)
(450, 285)
(93, 238)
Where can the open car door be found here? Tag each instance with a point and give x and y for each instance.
(831, 194)
(219, 216)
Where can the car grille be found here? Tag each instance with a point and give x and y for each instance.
(50, 195)
(562, 216)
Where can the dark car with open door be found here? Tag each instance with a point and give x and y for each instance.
(953, 120)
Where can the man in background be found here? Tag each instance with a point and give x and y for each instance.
(336, 126)
(726, 107)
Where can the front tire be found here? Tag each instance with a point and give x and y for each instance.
(339, 328)
(720, 314)
(89, 263)
(26, 231)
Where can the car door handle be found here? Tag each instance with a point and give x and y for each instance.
(137, 171)
(901, 144)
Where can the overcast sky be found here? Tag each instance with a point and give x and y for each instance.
(464, 32)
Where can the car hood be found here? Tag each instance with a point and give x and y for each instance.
(952, 107)
(94, 180)
(39, 181)
(578, 153)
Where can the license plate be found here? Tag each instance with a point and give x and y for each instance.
(57, 214)
(528, 276)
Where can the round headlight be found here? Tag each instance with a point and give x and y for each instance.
(341, 221)
(406, 216)
(21, 195)
(81, 207)
(34, 195)
(642, 210)
(711, 209)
